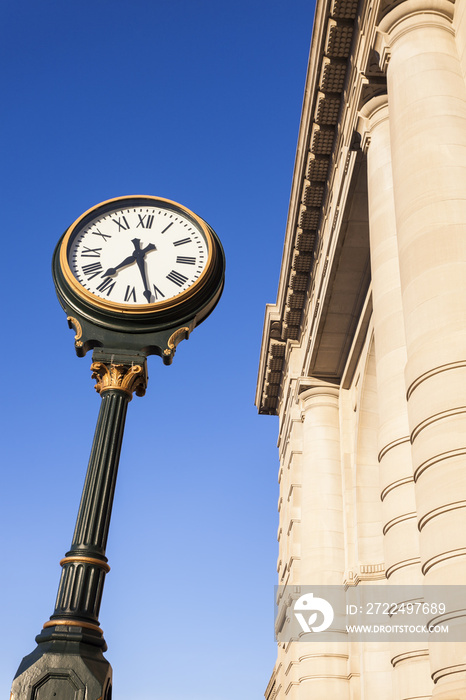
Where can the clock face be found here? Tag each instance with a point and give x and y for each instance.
(137, 253)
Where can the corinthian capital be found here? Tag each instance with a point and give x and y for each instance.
(126, 378)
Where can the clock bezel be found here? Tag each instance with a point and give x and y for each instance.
(136, 310)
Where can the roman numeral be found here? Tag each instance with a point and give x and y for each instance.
(182, 241)
(157, 292)
(177, 278)
(103, 235)
(90, 252)
(124, 225)
(167, 227)
(107, 285)
(92, 270)
(185, 260)
(130, 292)
(145, 221)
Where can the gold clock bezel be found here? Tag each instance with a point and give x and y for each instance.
(137, 309)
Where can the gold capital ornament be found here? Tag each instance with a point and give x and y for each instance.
(127, 378)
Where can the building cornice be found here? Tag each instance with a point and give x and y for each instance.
(325, 82)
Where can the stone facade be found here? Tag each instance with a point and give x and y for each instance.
(364, 353)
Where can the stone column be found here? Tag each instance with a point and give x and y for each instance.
(323, 666)
(401, 536)
(427, 103)
(322, 545)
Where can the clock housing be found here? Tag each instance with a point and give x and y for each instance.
(135, 266)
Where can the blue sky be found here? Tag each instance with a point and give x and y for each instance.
(198, 102)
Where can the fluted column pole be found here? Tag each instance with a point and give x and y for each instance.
(85, 565)
(427, 103)
(401, 536)
(73, 630)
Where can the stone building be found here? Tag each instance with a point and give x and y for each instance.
(363, 355)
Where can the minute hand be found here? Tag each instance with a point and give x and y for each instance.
(140, 254)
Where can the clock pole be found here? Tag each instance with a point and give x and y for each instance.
(68, 661)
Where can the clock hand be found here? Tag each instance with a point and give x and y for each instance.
(127, 261)
(148, 248)
(140, 254)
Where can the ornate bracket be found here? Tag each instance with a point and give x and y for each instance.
(74, 323)
(174, 339)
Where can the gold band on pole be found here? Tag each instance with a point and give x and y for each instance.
(86, 560)
(73, 623)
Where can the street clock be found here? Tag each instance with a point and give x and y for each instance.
(135, 275)
(132, 271)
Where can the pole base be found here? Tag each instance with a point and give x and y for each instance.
(63, 670)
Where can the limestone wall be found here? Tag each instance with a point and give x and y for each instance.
(364, 353)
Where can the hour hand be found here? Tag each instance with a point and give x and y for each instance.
(113, 270)
(140, 254)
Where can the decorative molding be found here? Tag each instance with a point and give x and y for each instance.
(364, 572)
(76, 559)
(304, 384)
(408, 16)
(450, 454)
(440, 558)
(126, 378)
(73, 623)
(413, 561)
(439, 511)
(391, 445)
(74, 323)
(373, 113)
(431, 373)
(412, 654)
(175, 338)
(448, 671)
(395, 485)
(317, 677)
(287, 599)
(396, 521)
(442, 415)
(374, 82)
(292, 522)
(371, 569)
